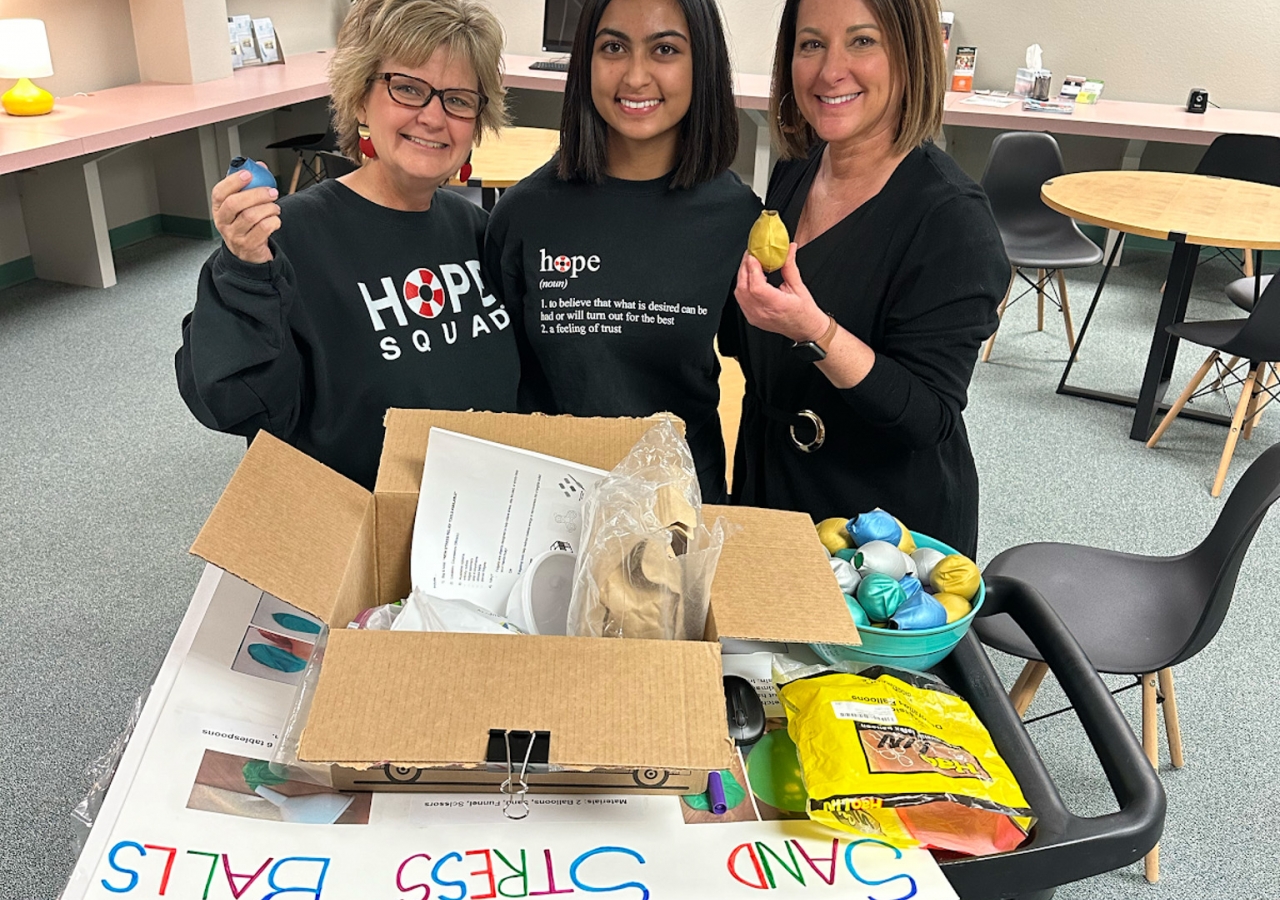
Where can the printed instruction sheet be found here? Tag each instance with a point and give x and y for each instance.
(486, 511)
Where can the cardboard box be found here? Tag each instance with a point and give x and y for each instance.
(414, 711)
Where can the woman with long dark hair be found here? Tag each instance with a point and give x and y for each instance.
(617, 257)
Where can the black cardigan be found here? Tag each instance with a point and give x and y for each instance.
(916, 272)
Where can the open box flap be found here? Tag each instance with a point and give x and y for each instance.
(294, 528)
(429, 699)
(774, 583)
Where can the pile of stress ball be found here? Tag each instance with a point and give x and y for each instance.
(888, 582)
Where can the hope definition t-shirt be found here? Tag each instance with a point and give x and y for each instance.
(616, 292)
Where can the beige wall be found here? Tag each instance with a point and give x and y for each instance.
(13, 231)
(1153, 52)
(301, 25)
(90, 41)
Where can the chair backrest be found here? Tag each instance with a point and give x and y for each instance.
(1259, 338)
(1219, 555)
(1245, 157)
(335, 164)
(1020, 162)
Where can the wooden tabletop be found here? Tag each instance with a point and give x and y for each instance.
(1211, 212)
(516, 153)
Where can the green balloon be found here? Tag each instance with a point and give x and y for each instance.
(880, 596)
(846, 555)
(257, 772)
(773, 771)
(734, 794)
(855, 609)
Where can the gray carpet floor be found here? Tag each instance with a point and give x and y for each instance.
(106, 478)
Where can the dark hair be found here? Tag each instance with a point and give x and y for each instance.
(913, 38)
(708, 132)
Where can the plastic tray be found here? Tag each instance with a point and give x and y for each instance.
(1063, 847)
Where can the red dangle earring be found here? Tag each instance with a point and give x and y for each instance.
(366, 142)
(464, 174)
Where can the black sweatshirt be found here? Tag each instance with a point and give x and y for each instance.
(362, 308)
(915, 272)
(617, 291)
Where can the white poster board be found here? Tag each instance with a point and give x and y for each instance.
(182, 821)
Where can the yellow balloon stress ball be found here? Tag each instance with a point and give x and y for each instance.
(907, 544)
(956, 606)
(833, 535)
(768, 241)
(956, 574)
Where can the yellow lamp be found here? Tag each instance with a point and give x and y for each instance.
(24, 54)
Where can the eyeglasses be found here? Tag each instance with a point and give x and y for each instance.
(460, 103)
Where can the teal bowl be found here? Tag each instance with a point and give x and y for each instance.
(906, 649)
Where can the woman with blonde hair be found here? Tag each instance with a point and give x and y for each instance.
(859, 351)
(323, 309)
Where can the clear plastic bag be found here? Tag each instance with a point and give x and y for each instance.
(285, 762)
(424, 612)
(647, 560)
(101, 772)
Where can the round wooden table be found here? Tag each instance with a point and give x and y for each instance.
(502, 161)
(1193, 211)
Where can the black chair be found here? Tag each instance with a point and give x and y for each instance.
(1035, 236)
(335, 164)
(1256, 339)
(1137, 615)
(1244, 157)
(1244, 292)
(307, 147)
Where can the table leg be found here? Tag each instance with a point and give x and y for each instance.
(1131, 163)
(187, 168)
(760, 173)
(1063, 387)
(66, 223)
(1164, 346)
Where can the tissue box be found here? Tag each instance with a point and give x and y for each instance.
(405, 711)
(1024, 81)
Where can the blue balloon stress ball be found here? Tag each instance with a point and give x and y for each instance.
(261, 175)
(876, 525)
(910, 585)
(919, 611)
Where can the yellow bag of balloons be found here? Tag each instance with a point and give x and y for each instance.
(898, 756)
(769, 241)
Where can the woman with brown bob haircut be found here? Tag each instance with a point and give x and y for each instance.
(859, 351)
(322, 310)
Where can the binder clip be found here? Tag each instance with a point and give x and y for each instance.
(506, 745)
